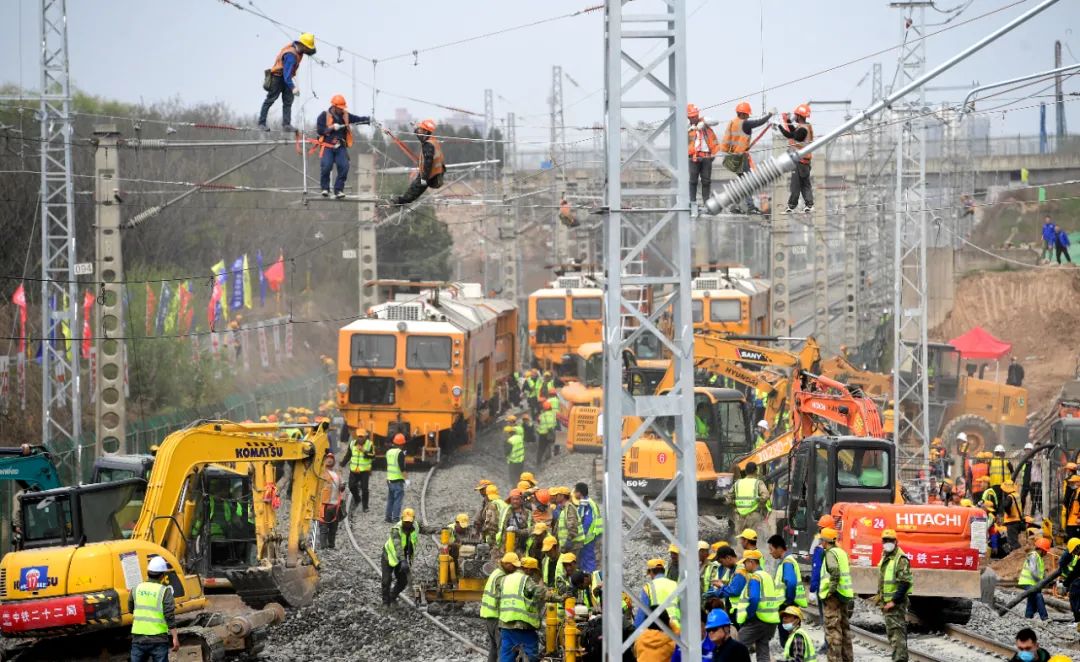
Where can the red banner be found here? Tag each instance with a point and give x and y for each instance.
(151, 309)
(275, 274)
(41, 614)
(87, 309)
(211, 308)
(19, 299)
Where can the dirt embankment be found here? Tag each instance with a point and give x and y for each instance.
(1037, 310)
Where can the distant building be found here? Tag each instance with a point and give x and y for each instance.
(402, 120)
(460, 120)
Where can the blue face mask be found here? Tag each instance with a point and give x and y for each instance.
(1026, 656)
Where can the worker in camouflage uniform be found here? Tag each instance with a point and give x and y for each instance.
(493, 517)
(894, 585)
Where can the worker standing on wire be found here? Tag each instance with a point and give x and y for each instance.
(736, 144)
(430, 167)
(334, 127)
(702, 147)
(278, 80)
(799, 135)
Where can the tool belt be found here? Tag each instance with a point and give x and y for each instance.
(736, 162)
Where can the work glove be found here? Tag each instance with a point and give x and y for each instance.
(407, 483)
(338, 127)
(699, 126)
(423, 182)
(295, 90)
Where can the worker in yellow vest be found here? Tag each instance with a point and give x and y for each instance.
(895, 582)
(836, 594)
(1000, 468)
(799, 647)
(489, 601)
(788, 578)
(359, 457)
(515, 453)
(153, 611)
(757, 611)
(751, 499)
(1033, 572)
(519, 612)
(655, 592)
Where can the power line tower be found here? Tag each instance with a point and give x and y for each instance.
(558, 163)
(61, 418)
(645, 98)
(489, 144)
(910, 366)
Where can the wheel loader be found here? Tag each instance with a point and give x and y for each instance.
(81, 589)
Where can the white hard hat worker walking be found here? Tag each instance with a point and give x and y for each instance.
(153, 610)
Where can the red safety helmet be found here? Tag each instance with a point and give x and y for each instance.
(337, 100)
(399, 439)
(547, 405)
(743, 107)
(802, 110)
(427, 125)
(692, 110)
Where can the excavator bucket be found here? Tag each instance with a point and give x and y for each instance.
(262, 585)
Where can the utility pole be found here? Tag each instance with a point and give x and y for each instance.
(654, 93)
(110, 406)
(367, 255)
(508, 228)
(489, 144)
(1059, 98)
(911, 366)
(60, 390)
(560, 236)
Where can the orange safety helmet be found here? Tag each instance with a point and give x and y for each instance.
(547, 405)
(826, 522)
(802, 110)
(337, 100)
(515, 493)
(1043, 544)
(692, 110)
(743, 107)
(543, 496)
(427, 125)
(399, 439)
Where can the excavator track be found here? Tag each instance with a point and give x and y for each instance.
(260, 586)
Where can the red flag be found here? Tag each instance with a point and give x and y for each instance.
(151, 309)
(88, 309)
(215, 299)
(185, 311)
(19, 299)
(275, 274)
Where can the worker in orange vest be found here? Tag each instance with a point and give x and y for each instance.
(737, 141)
(702, 147)
(334, 126)
(279, 81)
(431, 166)
(799, 135)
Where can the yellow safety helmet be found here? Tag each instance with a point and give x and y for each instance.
(1059, 658)
(792, 611)
(529, 563)
(462, 519)
(548, 543)
(510, 418)
(408, 515)
(527, 476)
(718, 544)
(568, 557)
(1072, 544)
(508, 428)
(672, 549)
(482, 485)
(966, 503)
(540, 527)
(492, 491)
(523, 486)
(752, 555)
(749, 534)
(511, 558)
(888, 534)
(308, 40)
(654, 564)
(829, 533)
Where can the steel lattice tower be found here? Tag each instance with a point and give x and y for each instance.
(645, 98)
(61, 423)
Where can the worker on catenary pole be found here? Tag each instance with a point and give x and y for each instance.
(702, 147)
(153, 610)
(799, 135)
(737, 141)
(334, 126)
(279, 80)
(431, 166)
(894, 585)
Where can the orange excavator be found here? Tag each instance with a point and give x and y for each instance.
(873, 384)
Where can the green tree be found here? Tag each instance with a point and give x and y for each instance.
(417, 245)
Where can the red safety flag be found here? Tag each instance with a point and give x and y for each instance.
(88, 309)
(151, 309)
(275, 274)
(19, 299)
(215, 299)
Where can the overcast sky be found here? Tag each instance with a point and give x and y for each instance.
(206, 50)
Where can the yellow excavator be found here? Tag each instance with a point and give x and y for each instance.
(873, 384)
(82, 588)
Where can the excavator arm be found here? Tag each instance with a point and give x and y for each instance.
(874, 384)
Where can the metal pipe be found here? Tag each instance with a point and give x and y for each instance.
(964, 109)
(771, 170)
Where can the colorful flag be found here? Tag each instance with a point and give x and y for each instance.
(65, 329)
(248, 303)
(262, 278)
(174, 309)
(19, 299)
(151, 308)
(275, 274)
(214, 307)
(88, 311)
(236, 285)
(185, 310)
(164, 302)
(221, 277)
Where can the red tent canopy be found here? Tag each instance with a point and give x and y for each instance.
(978, 343)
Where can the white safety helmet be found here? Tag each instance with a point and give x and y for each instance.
(157, 565)
(763, 424)
(999, 449)
(962, 436)
(1029, 446)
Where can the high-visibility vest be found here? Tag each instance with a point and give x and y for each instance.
(1070, 565)
(735, 139)
(216, 528)
(844, 588)
(393, 471)
(768, 609)
(278, 68)
(546, 422)
(489, 601)
(395, 544)
(746, 499)
(532, 387)
(545, 569)
(800, 144)
(562, 531)
(360, 458)
(332, 119)
(887, 565)
(709, 572)
(438, 164)
(148, 617)
(991, 496)
(1011, 511)
(978, 470)
(701, 428)
(809, 654)
(596, 526)
(658, 589)
(701, 142)
(547, 388)
(1028, 579)
(800, 590)
(517, 449)
(513, 605)
(998, 471)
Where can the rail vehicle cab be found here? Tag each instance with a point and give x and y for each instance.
(726, 299)
(723, 433)
(561, 320)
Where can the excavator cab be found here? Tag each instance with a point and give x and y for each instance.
(823, 471)
(222, 534)
(79, 515)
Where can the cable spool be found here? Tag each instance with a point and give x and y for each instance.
(743, 187)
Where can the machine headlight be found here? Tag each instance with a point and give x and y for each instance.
(456, 391)
(342, 387)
